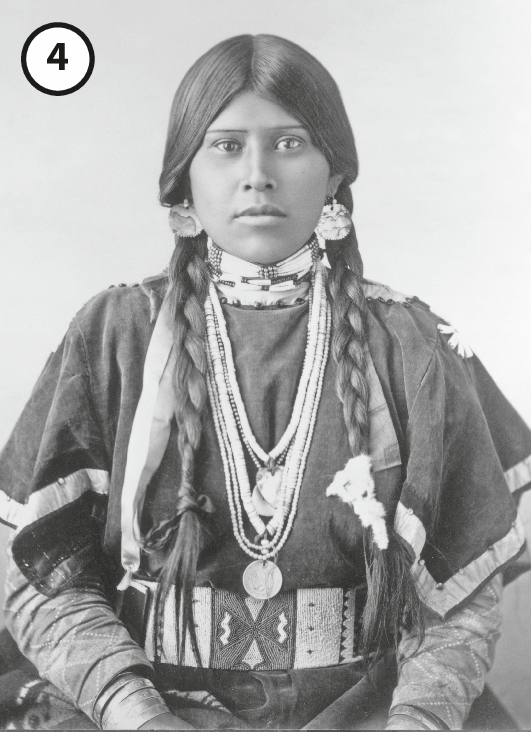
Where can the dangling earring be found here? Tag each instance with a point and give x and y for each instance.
(184, 220)
(335, 222)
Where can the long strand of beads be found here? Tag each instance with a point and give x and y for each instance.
(305, 376)
(231, 481)
(227, 419)
(228, 466)
(288, 435)
(232, 380)
(288, 502)
(235, 411)
(304, 452)
(302, 465)
(295, 459)
(244, 484)
(275, 537)
(230, 424)
(308, 405)
(293, 466)
(308, 437)
(281, 458)
(228, 461)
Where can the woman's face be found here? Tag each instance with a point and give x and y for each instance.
(258, 182)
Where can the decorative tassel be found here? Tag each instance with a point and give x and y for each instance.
(321, 241)
(322, 246)
(355, 486)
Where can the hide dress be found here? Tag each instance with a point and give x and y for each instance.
(449, 454)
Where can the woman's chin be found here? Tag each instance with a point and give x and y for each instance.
(264, 253)
(262, 245)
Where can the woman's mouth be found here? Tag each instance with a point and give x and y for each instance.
(263, 210)
(260, 215)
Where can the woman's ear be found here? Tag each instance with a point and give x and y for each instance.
(333, 184)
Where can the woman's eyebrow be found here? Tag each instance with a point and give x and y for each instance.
(279, 127)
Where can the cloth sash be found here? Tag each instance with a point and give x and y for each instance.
(149, 437)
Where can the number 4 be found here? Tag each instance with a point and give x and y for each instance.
(60, 60)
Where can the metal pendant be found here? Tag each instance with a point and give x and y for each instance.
(268, 490)
(262, 579)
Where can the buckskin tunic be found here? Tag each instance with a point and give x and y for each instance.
(445, 476)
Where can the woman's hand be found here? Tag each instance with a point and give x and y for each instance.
(166, 721)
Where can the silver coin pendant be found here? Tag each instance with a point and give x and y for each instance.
(262, 579)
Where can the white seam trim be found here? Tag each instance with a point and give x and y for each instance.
(519, 475)
(53, 496)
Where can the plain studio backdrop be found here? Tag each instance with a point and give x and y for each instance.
(438, 92)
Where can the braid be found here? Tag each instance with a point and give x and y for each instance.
(347, 347)
(184, 532)
(189, 291)
(392, 596)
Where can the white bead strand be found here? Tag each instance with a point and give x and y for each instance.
(230, 423)
(224, 395)
(232, 386)
(313, 325)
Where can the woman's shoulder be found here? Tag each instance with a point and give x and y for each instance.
(122, 308)
(402, 314)
(405, 316)
(402, 328)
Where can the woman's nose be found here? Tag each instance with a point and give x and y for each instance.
(258, 173)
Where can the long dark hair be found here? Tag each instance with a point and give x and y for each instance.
(282, 72)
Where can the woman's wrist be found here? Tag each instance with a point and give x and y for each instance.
(405, 716)
(404, 721)
(129, 699)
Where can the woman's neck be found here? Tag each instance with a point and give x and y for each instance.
(279, 284)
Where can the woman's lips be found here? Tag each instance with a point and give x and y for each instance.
(264, 210)
(265, 215)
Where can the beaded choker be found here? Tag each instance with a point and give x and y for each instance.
(278, 486)
(228, 270)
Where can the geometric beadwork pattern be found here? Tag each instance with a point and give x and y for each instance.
(347, 648)
(253, 634)
(305, 628)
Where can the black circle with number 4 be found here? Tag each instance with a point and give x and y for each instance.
(57, 57)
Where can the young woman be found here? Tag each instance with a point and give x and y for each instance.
(246, 489)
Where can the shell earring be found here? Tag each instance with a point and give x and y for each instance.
(335, 222)
(184, 220)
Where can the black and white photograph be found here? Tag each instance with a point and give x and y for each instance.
(265, 424)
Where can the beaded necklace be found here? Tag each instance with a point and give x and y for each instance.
(232, 271)
(280, 484)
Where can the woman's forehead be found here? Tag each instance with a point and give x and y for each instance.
(248, 111)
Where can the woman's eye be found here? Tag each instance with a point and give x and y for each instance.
(288, 143)
(228, 146)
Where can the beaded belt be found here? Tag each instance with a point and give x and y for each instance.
(306, 628)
